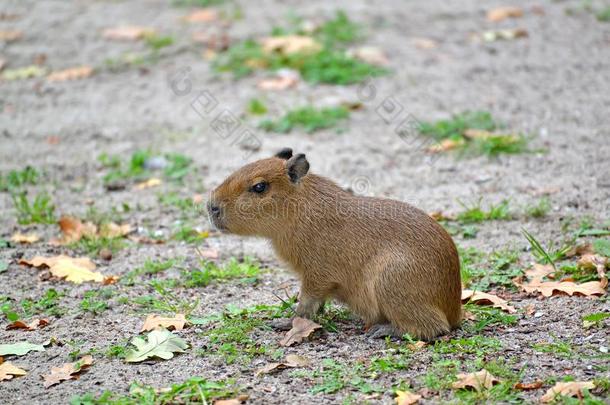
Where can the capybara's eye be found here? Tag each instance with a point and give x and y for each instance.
(259, 187)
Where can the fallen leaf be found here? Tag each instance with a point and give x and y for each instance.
(406, 398)
(593, 262)
(112, 230)
(567, 389)
(203, 15)
(440, 216)
(479, 380)
(417, 345)
(502, 13)
(8, 371)
(75, 73)
(127, 33)
(23, 73)
(536, 283)
(23, 238)
(110, 280)
(491, 36)
(68, 371)
(301, 328)
(33, 325)
(445, 145)
(425, 43)
(161, 343)
(207, 253)
(10, 36)
(283, 79)
(369, 54)
(19, 349)
(292, 361)
(481, 298)
(152, 182)
(233, 401)
(76, 270)
(290, 44)
(74, 229)
(528, 386)
(157, 322)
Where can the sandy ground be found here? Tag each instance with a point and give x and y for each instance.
(553, 85)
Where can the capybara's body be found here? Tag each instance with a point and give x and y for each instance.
(391, 263)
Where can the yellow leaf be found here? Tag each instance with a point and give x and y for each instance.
(152, 182)
(157, 322)
(76, 270)
(567, 389)
(23, 238)
(502, 13)
(8, 371)
(406, 398)
(23, 73)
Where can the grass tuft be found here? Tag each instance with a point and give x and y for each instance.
(309, 118)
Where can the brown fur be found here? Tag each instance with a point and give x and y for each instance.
(387, 260)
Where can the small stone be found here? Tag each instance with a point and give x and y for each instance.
(106, 254)
(155, 163)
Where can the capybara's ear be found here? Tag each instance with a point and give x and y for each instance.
(285, 153)
(297, 167)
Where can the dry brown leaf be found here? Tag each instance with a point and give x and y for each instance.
(301, 328)
(593, 262)
(202, 15)
(68, 371)
(445, 145)
(25, 238)
(35, 324)
(75, 73)
(283, 79)
(502, 13)
(233, 401)
(369, 54)
(290, 44)
(10, 36)
(480, 380)
(536, 283)
(580, 250)
(127, 33)
(440, 216)
(528, 386)
(8, 371)
(76, 270)
(481, 298)
(417, 345)
(567, 389)
(152, 182)
(406, 398)
(74, 229)
(208, 253)
(157, 322)
(292, 361)
(110, 280)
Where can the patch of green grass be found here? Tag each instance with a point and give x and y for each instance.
(246, 271)
(332, 314)
(480, 271)
(165, 301)
(503, 392)
(148, 268)
(173, 199)
(558, 347)
(157, 42)
(177, 166)
(595, 319)
(602, 247)
(228, 334)
(539, 209)
(194, 390)
(546, 256)
(474, 213)
(603, 15)
(117, 351)
(96, 301)
(257, 107)
(186, 233)
(441, 374)
(329, 65)
(486, 317)
(477, 345)
(48, 304)
(492, 144)
(309, 118)
(16, 179)
(334, 376)
(93, 245)
(38, 211)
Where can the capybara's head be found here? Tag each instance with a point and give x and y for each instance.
(256, 199)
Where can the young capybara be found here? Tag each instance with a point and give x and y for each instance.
(390, 262)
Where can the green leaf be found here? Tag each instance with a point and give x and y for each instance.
(601, 246)
(161, 343)
(3, 266)
(19, 349)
